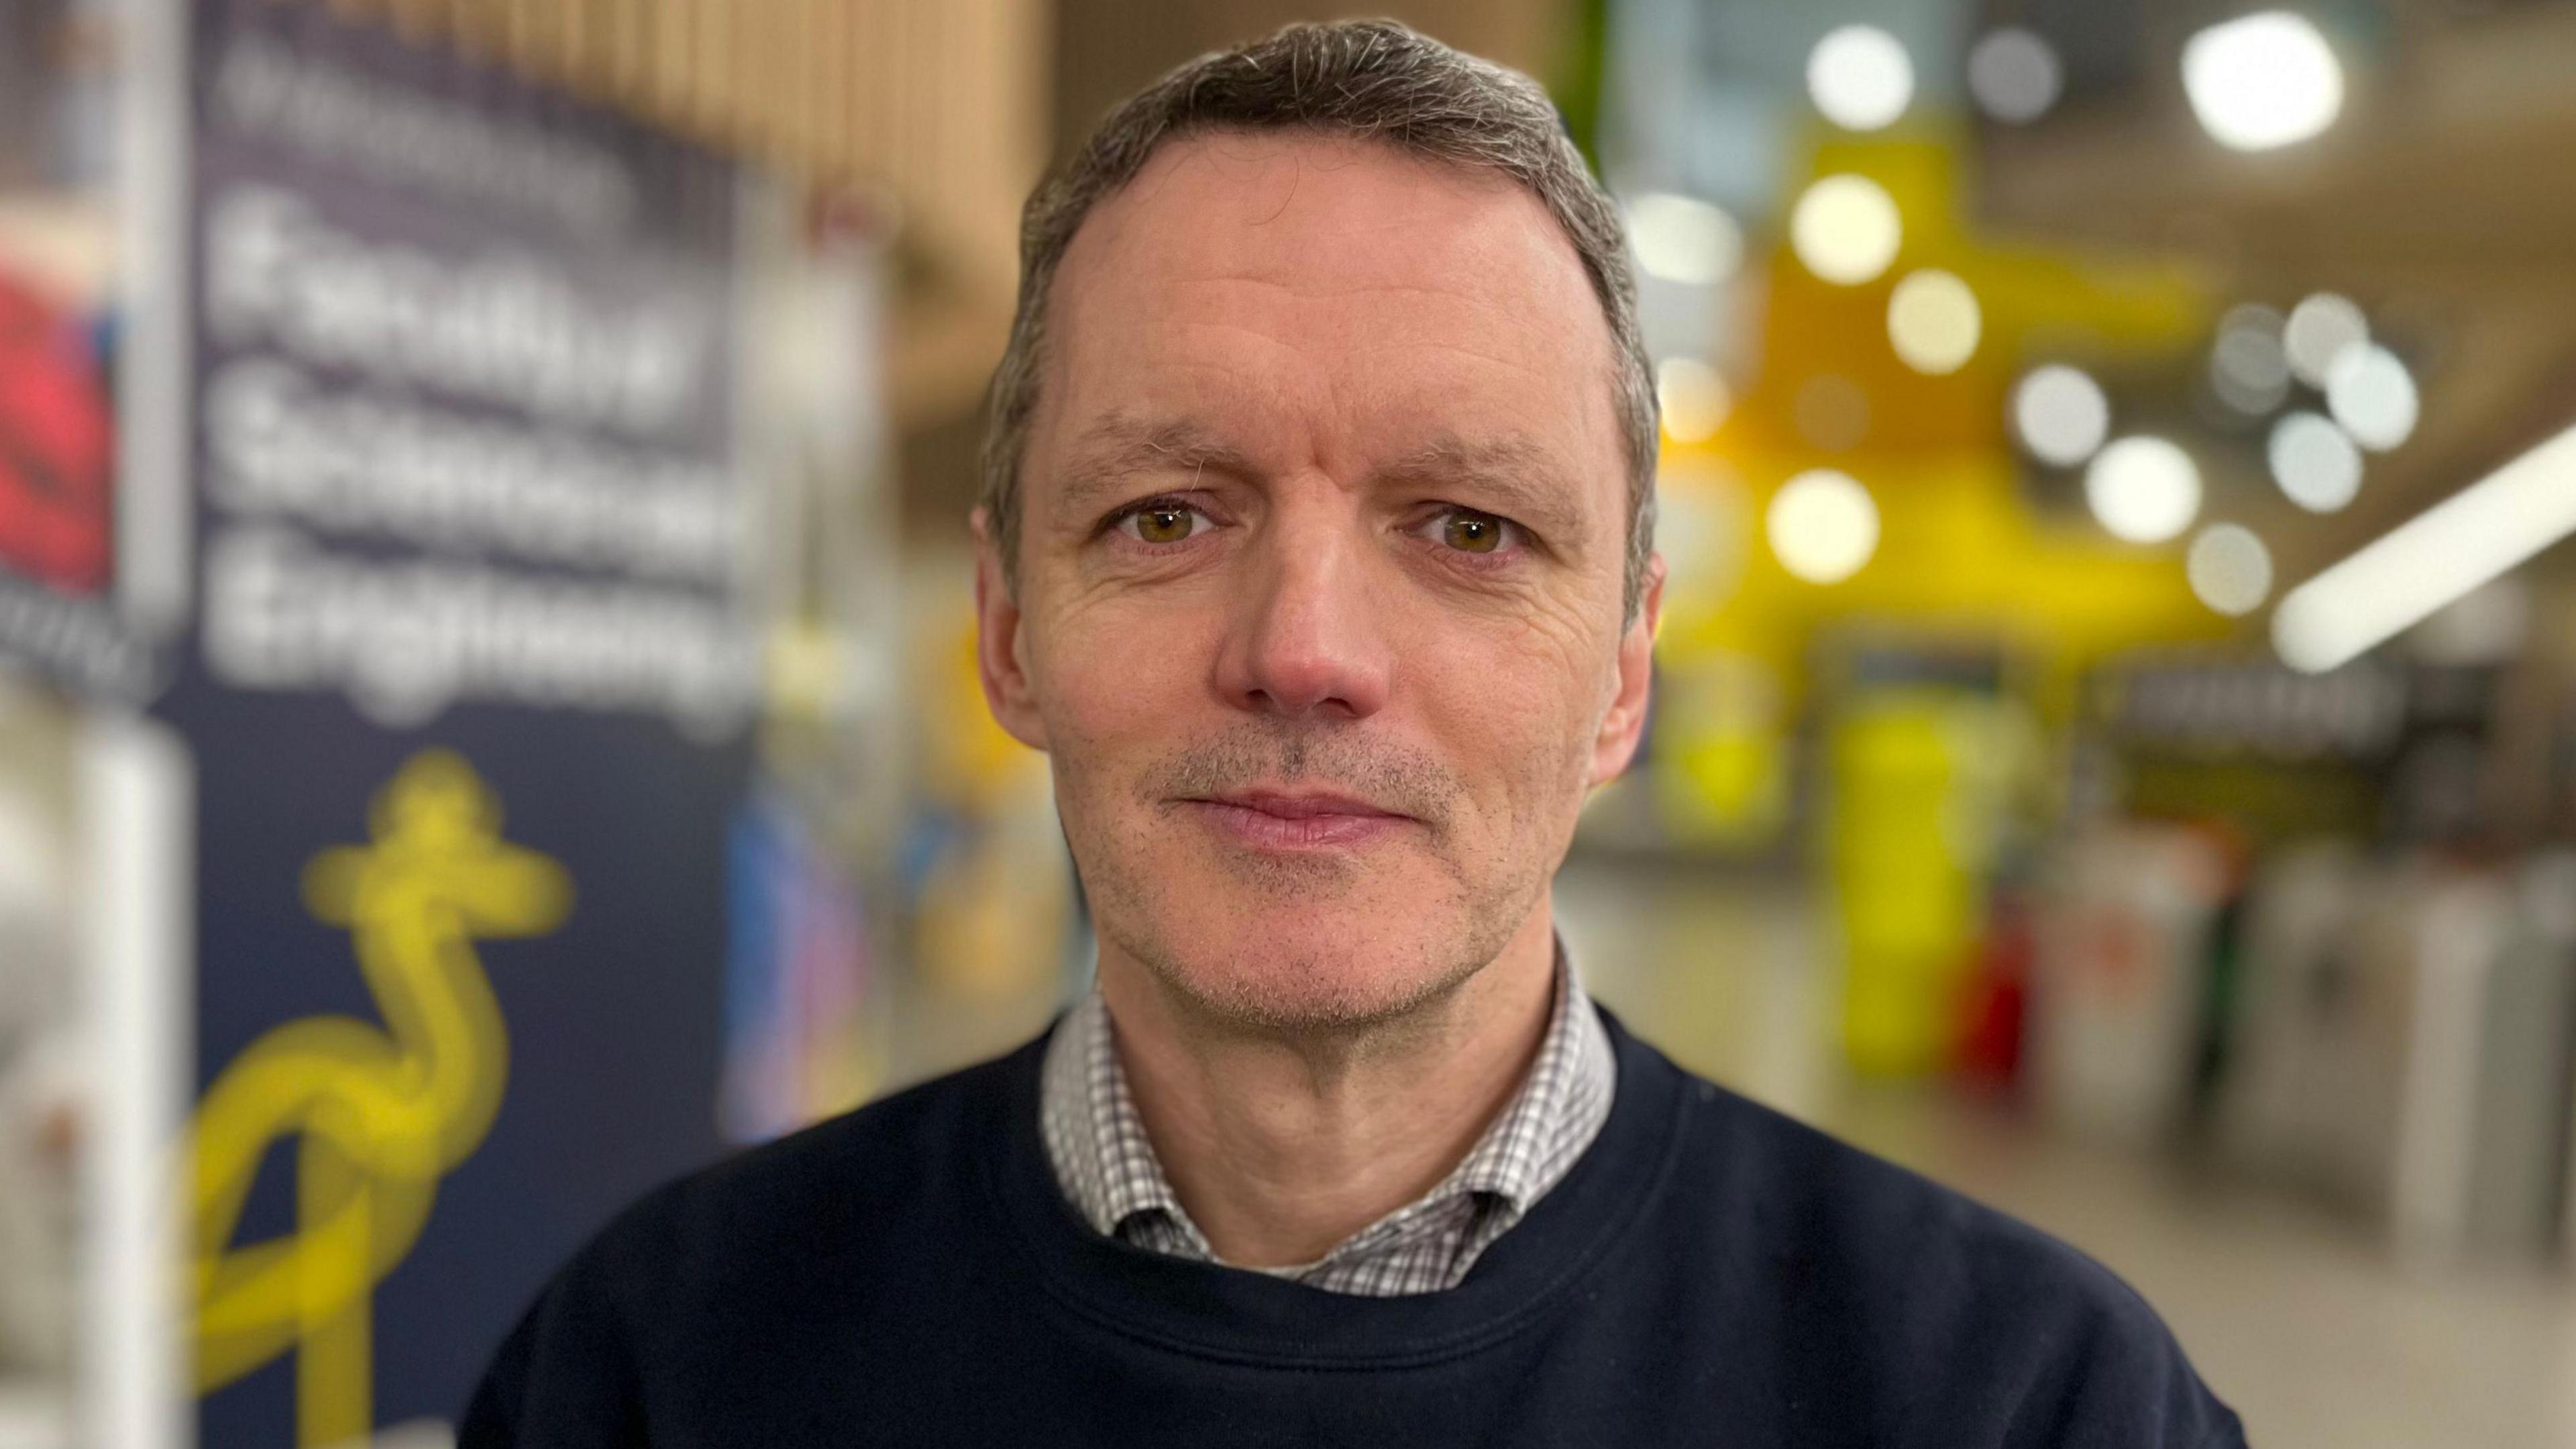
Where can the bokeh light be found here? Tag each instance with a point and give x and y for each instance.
(2014, 75)
(2320, 329)
(2143, 488)
(1846, 229)
(2060, 414)
(1683, 239)
(1823, 526)
(2315, 462)
(1933, 321)
(2249, 370)
(2229, 568)
(2262, 80)
(1694, 398)
(2372, 394)
(1860, 77)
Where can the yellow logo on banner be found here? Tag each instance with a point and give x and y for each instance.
(379, 1114)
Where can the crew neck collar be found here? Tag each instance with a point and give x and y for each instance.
(1211, 1311)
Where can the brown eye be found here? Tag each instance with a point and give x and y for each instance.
(1470, 532)
(1164, 522)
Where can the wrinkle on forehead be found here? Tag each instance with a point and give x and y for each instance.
(1239, 206)
(1226, 291)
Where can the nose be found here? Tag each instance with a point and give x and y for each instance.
(1307, 636)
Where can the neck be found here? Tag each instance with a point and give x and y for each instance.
(1282, 1145)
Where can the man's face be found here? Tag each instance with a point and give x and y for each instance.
(1319, 604)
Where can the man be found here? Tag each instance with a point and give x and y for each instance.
(1314, 552)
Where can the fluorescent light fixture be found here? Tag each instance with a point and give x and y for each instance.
(2262, 80)
(2439, 555)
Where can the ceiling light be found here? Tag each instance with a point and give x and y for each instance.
(2432, 559)
(2371, 393)
(2060, 414)
(2248, 370)
(1846, 229)
(1860, 77)
(2322, 328)
(2229, 568)
(2314, 461)
(2014, 75)
(2262, 80)
(1933, 321)
(2143, 489)
(1823, 526)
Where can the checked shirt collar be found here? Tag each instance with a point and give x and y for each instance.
(1097, 1145)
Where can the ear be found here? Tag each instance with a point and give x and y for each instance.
(1616, 742)
(1001, 659)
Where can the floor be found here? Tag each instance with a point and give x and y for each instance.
(2297, 1317)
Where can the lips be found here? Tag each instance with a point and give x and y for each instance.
(1297, 820)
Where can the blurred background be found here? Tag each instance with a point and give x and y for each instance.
(2114, 746)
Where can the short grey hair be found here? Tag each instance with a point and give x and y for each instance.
(1376, 79)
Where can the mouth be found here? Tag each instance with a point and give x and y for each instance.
(1293, 820)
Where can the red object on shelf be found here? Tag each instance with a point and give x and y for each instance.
(1997, 995)
(57, 448)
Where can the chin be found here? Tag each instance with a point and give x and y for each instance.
(1346, 953)
(1294, 984)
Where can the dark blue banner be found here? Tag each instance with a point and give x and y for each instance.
(468, 694)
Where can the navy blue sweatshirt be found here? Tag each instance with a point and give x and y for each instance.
(1711, 1273)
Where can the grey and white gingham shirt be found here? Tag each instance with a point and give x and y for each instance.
(1108, 1170)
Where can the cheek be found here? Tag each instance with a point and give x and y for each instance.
(1108, 685)
(1515, 717)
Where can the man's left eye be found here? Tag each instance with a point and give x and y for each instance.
(1469, 531)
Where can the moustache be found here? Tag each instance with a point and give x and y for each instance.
(1389, 776)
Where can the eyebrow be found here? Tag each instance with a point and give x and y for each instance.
(1514, 475)
(1509, 475)
(1113, 450)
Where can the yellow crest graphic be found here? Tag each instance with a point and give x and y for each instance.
(378, 1113)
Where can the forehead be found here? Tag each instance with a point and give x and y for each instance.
(1335, 296)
